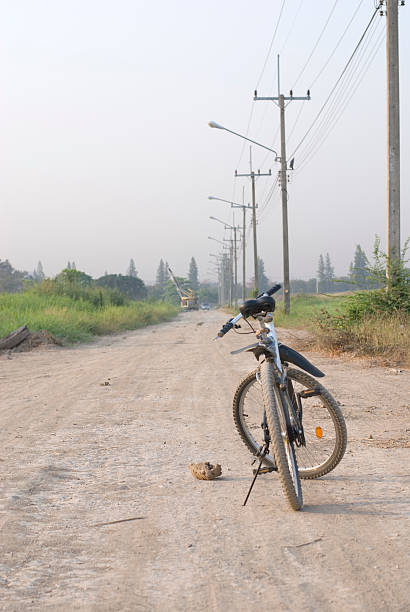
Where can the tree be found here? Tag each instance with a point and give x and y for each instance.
(208, 292)
(262, 278)
(73, 277)
(132, 271)
(38, 273)
(359, 268)
(193, 275)
(133, 287)
(11, 280)
(166, 272)
(321, 275)
(160, 278)
(329, 273)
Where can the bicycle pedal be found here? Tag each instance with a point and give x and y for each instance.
(309, 393)
(266, 470)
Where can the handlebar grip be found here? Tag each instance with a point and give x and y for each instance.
(273, 289)
(225, 328)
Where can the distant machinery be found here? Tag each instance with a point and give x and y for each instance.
(189, 301)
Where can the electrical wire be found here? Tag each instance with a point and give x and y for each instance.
(291, 27)
(271, 44)
(337, 100)
(335, 85)
(332, 10)
(337, 45)
(347, 98)
(333, 111)
(302, 106)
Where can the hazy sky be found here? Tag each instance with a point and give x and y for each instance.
(106, 154)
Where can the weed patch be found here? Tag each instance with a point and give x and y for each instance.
(77, 319)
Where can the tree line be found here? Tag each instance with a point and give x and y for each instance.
(324, 281)
(130, 285)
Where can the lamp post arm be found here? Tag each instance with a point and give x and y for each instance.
(212, 124)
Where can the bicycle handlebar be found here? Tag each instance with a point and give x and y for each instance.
(229, 324)
(271, 291)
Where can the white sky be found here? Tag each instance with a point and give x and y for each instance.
(105, 152)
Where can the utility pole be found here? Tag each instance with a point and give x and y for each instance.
(252, 176)
(393, 135)
(234, 262)
(244, 207)
(280, 100)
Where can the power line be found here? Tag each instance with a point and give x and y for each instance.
(335, 85)
(346, 100)
(337, 101)
(291, 27)
(259, 80)
(328, 120)
(316, 44)
(302, 106)
(271, 44)
(337, 44)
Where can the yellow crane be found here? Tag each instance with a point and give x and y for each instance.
(189, 301)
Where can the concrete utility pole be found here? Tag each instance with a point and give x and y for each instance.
(226, 274)
(393, 132)
(252, 176)
(280, 100)
(244, 207)
(234, 260)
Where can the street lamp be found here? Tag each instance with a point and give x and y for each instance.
(252, 175)
(244, 207)
(213, 124)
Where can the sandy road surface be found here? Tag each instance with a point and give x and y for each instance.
(75, 454)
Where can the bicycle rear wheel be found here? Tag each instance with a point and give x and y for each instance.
(322, 419)
(283, 449)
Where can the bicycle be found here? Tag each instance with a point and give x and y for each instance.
(272, 406)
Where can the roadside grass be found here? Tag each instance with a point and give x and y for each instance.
(77, 320)
(304, 310)
(386, 336)
(337, 325)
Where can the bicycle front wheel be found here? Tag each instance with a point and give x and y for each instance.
(323, 422)
(283, 449)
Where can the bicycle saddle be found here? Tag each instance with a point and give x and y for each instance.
(265, 303)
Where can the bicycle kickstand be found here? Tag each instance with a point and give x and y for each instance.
(263, 453)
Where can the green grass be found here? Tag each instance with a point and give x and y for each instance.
(304, 310)
(77, 320)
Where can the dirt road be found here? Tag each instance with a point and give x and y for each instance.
(76, 453)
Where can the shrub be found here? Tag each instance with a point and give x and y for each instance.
(375, 321)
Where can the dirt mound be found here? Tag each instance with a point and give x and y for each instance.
(36, 340)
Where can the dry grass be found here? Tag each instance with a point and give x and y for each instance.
(386, 337)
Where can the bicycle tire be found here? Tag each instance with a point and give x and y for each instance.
(320, 456)
(283, 449)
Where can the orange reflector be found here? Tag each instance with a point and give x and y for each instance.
(319, 432)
